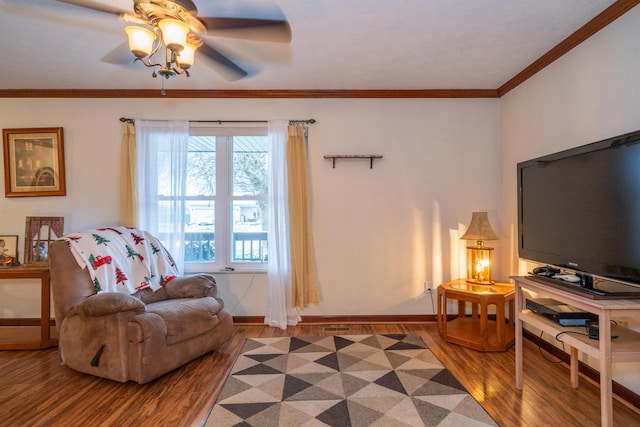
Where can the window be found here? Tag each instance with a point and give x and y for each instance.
(226, 187)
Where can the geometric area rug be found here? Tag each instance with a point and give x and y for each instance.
(343, 380)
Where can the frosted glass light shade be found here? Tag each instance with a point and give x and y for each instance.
(140, 40)
(174, 34)
(186, 57)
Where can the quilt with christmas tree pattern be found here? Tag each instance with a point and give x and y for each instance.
(122, 259)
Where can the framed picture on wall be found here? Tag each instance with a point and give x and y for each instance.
(8, 250)
(39, 232)
(33, 162)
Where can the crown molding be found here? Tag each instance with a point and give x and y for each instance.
(605, 18)
(284, 93)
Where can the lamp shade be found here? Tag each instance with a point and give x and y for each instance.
(140, 40)
(480, 229)
(186, 57)
(174, 34)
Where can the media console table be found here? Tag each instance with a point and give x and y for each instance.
(42, 273)
(624, 348)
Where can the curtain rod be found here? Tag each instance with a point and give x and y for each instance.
(309, 121)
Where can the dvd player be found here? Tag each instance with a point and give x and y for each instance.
(564, 314)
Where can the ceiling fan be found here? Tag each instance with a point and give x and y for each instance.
(152, 13)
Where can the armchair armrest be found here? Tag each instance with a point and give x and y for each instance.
(108, 303)
(192, 286)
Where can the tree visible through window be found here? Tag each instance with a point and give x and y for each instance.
(225, 223)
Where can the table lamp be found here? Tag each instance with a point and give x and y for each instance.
(479, 256)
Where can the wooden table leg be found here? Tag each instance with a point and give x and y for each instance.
(606, 386)
(574, 366)
(484, 327)
(500, 332)
(518, 337)
(442, 313)
(45, 310)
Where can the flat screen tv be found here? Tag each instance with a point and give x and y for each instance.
(579, 209)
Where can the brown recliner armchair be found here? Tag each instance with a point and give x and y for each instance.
(136, 337)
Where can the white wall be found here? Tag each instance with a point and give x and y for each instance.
(590, 94)
(379, 233)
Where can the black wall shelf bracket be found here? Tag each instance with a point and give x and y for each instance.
(370, 157)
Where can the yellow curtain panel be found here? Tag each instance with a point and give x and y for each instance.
(303, 271)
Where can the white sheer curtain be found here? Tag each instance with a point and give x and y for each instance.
(161, 160)
(280, 312)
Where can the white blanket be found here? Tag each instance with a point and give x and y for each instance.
(121, 259)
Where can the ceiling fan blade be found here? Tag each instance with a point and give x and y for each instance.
(187, 4)
(227, 67)
(274, 30)
(100, 7)
(121, 55)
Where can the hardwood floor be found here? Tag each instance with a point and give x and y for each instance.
(36, 391)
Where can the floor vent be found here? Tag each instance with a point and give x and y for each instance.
(337, 329)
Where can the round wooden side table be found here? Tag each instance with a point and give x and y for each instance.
(477, 330)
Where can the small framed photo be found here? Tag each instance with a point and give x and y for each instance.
(39, 232)
(33, 162)
(8, 250)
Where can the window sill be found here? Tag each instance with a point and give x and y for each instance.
(222, 271)
(237, 271)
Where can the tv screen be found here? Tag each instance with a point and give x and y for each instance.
(579, 209)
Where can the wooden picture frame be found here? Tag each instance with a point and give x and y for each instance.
(39, 232)
(33, 162)
(8, 250)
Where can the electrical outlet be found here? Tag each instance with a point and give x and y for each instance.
(428, 285)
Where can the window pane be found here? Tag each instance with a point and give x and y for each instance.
(201, 166)
(250, 166)
(200, 231)
(249, 232)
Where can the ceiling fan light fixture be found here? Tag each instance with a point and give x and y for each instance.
(169, 36)
(167, 27)
(187, 56)
(174, 34)
(140, 41)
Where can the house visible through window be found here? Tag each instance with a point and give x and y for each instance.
(226, 187)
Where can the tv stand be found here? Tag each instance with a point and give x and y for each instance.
(625, 348)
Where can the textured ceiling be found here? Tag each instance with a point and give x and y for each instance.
(336, 44)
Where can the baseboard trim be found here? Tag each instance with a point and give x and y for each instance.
(394, 318)
(331, 320)
(248, 320)
(24, 322)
